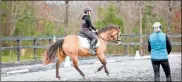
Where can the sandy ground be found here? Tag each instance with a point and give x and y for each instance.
(120, 68)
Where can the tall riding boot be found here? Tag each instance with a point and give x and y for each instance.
(157, 78)
(91, 49)
(168, 79)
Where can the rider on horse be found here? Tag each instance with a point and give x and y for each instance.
(86, 29)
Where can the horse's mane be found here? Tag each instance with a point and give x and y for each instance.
(109, 27)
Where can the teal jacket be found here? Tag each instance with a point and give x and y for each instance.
(159, 46)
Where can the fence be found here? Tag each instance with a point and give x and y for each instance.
(33, 39)
(126, 43)
(53, 38)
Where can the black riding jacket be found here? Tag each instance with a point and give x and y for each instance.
(86, 22)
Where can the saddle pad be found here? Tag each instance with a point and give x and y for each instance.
(85, 43)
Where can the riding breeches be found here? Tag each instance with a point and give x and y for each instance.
(91, 35)
(166, 68)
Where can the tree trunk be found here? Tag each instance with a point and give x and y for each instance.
(141, 39)
(14, 18)
(169, 16)
(66, 19)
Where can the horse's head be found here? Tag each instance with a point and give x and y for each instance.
(111, 33)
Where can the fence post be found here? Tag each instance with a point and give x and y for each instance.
(131, 48)
(18, 50)
(0, 47)
(34, 43)
(49, 41)
(125, 50)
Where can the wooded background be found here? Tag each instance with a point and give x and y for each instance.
(48, 18)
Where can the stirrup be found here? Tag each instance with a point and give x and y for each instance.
(92, 52)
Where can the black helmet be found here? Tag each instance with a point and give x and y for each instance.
(87, 9)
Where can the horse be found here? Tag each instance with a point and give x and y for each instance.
(71, 46)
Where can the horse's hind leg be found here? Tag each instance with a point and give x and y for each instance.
(59, 61)
(75, 64)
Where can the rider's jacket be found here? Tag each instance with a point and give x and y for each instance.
(86, 22)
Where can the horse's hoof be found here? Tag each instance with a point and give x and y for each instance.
(58, 78)
(85, 78)
(108, 74)
(95, 71)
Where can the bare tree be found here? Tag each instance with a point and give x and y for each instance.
(141, 5)
(66, 18)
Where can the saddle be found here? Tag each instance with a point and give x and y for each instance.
(84, 36)
(85, 41)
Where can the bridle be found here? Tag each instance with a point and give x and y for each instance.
(113, 35)
(118, 35)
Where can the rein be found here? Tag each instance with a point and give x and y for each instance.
(101, 37)
(105, 40)
(116, 41)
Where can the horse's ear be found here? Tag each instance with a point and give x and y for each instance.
(119, 27)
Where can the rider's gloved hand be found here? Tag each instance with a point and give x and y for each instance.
(96, 31)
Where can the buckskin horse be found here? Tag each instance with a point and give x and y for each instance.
(73, 47)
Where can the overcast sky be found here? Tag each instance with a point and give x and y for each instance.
(55, 2)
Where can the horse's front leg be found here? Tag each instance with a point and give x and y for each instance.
(99, 69)
(103, 61)
(106, 70)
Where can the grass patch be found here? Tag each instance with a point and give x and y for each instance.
(27, 55)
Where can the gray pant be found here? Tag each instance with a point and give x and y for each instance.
(91, 35)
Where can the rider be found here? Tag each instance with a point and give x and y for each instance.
(87, 28)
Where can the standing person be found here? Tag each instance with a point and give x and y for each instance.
(86, 29)
(159, 47)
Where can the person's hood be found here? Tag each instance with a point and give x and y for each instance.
(85, 16)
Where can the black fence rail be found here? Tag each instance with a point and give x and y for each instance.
(33, 46)
(34, 40)
(54, 38)
(127, 44)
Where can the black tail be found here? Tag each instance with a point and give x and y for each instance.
(52, 51)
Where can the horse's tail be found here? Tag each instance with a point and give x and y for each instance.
(50, 54)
